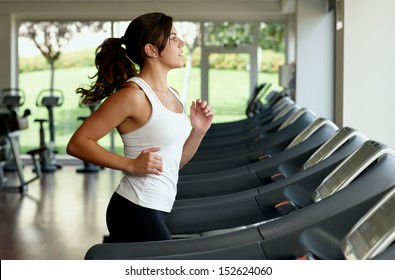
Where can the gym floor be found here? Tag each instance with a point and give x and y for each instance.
(59, 217)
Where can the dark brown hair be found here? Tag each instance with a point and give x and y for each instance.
(116, 64)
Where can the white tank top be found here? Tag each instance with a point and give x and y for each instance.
(167, 130)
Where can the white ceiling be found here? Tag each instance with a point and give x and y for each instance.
(126, 9)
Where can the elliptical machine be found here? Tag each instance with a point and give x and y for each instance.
(10, 125)
(89, 167)
(49, 98)
(10, 101)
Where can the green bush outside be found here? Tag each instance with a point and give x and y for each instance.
(271, 61)
(75, 59)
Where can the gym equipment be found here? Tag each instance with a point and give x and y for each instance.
(199, 217)
(258, 132)
(264, 122)
(318, 166)
(10, 125)
(287, 127)
(262, 172)
(374, 232)
(313, 228)
(365, 231)
(276, 103)
(253, 151)
(254, 105)
(11, 100)
(89, 167)
(48, 98)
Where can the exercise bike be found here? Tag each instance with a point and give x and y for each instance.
(10, 101)
(49, 98)
(10, 126)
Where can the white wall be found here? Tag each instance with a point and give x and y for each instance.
(189, 10)
(8, 53)
(369, 68)
(315, 57)
(290, 40)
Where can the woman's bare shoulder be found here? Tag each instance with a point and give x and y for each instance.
(130, 95)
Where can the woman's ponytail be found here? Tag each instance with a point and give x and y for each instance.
(113, 66)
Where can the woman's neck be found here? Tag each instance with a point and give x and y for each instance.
(157, 80)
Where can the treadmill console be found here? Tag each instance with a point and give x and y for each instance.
(332, 145)
(350, 168)
(374, 232)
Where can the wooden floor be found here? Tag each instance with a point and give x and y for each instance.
(59, 217)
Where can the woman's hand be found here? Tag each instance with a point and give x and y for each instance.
(148, 162)
(201, 116)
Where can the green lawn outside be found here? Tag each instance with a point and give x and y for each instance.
(229, 93)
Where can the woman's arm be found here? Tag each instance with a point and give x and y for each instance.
(201, 119)
(114, 113)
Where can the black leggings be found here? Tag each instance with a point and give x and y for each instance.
(128, 222)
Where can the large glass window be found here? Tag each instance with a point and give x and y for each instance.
(73, 64)
(228, 77)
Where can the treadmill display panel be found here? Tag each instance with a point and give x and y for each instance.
(374, 232)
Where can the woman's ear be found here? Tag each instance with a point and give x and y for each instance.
(151, 51)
